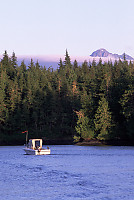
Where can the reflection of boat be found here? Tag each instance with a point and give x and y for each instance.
(34, 147)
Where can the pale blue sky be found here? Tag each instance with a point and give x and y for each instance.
(48, 27)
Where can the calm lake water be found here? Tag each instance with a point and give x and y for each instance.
(70, 172)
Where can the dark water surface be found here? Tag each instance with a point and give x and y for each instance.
(70, 172)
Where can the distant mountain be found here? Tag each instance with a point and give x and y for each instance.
(103, 53)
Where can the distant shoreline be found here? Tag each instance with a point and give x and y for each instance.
(91, 142)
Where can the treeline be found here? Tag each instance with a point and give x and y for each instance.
(94, 100)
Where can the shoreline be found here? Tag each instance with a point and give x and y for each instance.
(105, 143)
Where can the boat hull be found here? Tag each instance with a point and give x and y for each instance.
(37, 152)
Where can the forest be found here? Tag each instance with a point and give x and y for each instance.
(71, 103)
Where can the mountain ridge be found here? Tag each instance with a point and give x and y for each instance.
(103, 53)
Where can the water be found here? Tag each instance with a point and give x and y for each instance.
(70, 172)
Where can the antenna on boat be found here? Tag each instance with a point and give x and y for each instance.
(26, 137)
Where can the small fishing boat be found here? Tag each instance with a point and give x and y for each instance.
(34, 147)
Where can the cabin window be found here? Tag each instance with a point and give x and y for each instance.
(30, 144)
(37, 143)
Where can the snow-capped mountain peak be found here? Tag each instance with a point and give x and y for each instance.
(103, 53)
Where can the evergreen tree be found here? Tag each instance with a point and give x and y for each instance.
(5, 60)
(61, 66)
(9, 64)
(67, 61)
(14, 61)
(103, 121)
(75, 64)
(128, 111)
(3, 104)
(83, 128)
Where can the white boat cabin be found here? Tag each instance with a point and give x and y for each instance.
(35, 144)
(34, 147)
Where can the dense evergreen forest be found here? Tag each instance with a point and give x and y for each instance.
(91, 101)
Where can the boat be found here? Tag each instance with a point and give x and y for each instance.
(34, 147)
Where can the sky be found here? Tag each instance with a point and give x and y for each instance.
(49, 27)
